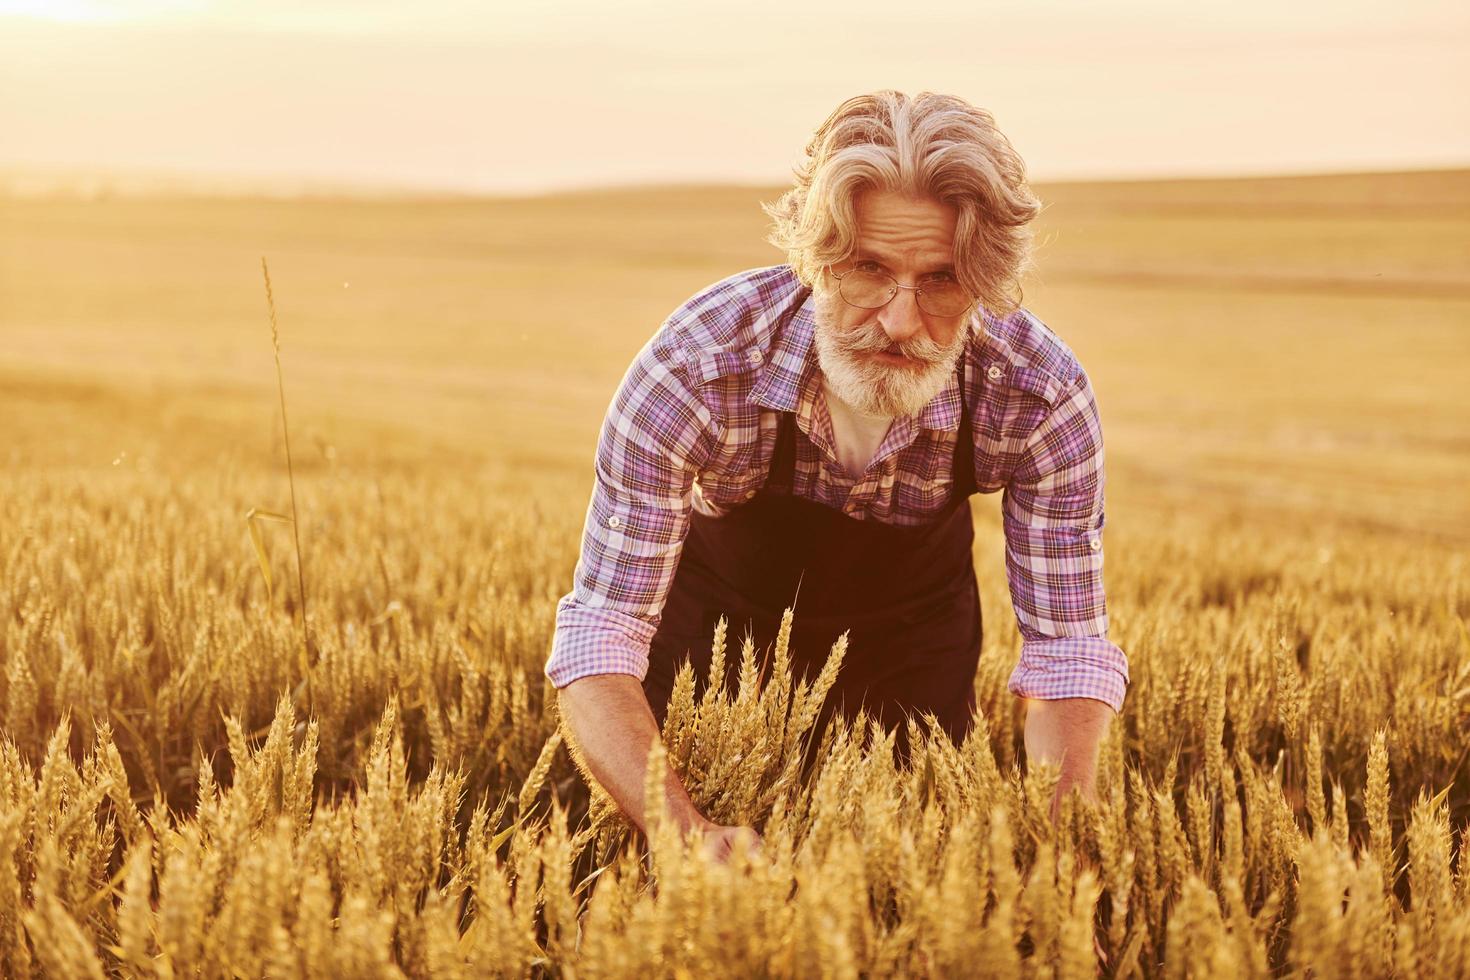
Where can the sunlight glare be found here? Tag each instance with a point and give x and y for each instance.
(97, 11)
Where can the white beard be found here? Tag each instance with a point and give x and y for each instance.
(871, 386)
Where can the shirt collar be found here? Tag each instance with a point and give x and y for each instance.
(791, 367)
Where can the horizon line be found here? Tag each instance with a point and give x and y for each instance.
(83, 182)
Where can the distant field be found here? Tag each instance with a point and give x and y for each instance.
(1283, 370)
(1296, 346)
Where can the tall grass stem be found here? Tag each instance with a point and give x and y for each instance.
(270, 300)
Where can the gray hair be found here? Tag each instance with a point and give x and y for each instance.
(927, 145)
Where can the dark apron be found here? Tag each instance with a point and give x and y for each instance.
(906, 596)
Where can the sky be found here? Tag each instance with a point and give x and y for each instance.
(499, 97)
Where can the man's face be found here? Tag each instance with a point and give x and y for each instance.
(895, 359)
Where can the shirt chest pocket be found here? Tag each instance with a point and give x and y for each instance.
(931, 480)
(736, 471)
(938, 490)
(923, 497)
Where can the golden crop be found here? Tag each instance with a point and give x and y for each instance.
(185, 791)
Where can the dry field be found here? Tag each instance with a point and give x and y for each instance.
(186, 788)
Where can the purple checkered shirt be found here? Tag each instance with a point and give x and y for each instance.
(693, 426)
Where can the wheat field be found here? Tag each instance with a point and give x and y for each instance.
(191, 786)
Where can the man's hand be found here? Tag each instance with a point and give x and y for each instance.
(719, 842)
(610, 728)
(1067, 733)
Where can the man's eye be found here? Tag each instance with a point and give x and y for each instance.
(867, 265)
(940, 278)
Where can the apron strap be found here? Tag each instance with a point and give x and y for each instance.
(964, 450)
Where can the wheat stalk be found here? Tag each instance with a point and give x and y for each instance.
(270, 299)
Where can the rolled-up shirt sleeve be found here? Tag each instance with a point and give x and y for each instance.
(1053, 518)
(655, 437)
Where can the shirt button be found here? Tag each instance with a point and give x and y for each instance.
(750, 495)
(755, 357)
(1095, 544)
(994, 372)
(615, 522)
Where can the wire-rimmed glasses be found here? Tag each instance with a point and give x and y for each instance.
(868, 287)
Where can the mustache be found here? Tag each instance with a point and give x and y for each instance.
(872, 339)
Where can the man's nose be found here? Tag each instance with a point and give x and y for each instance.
(900, 319)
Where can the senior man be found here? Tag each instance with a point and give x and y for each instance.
(812, 432)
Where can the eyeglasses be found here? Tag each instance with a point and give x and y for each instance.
(868, 288)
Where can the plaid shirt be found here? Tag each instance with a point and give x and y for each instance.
(693, 426)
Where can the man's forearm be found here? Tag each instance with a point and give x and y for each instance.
(1068, 732)
(608, 718)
